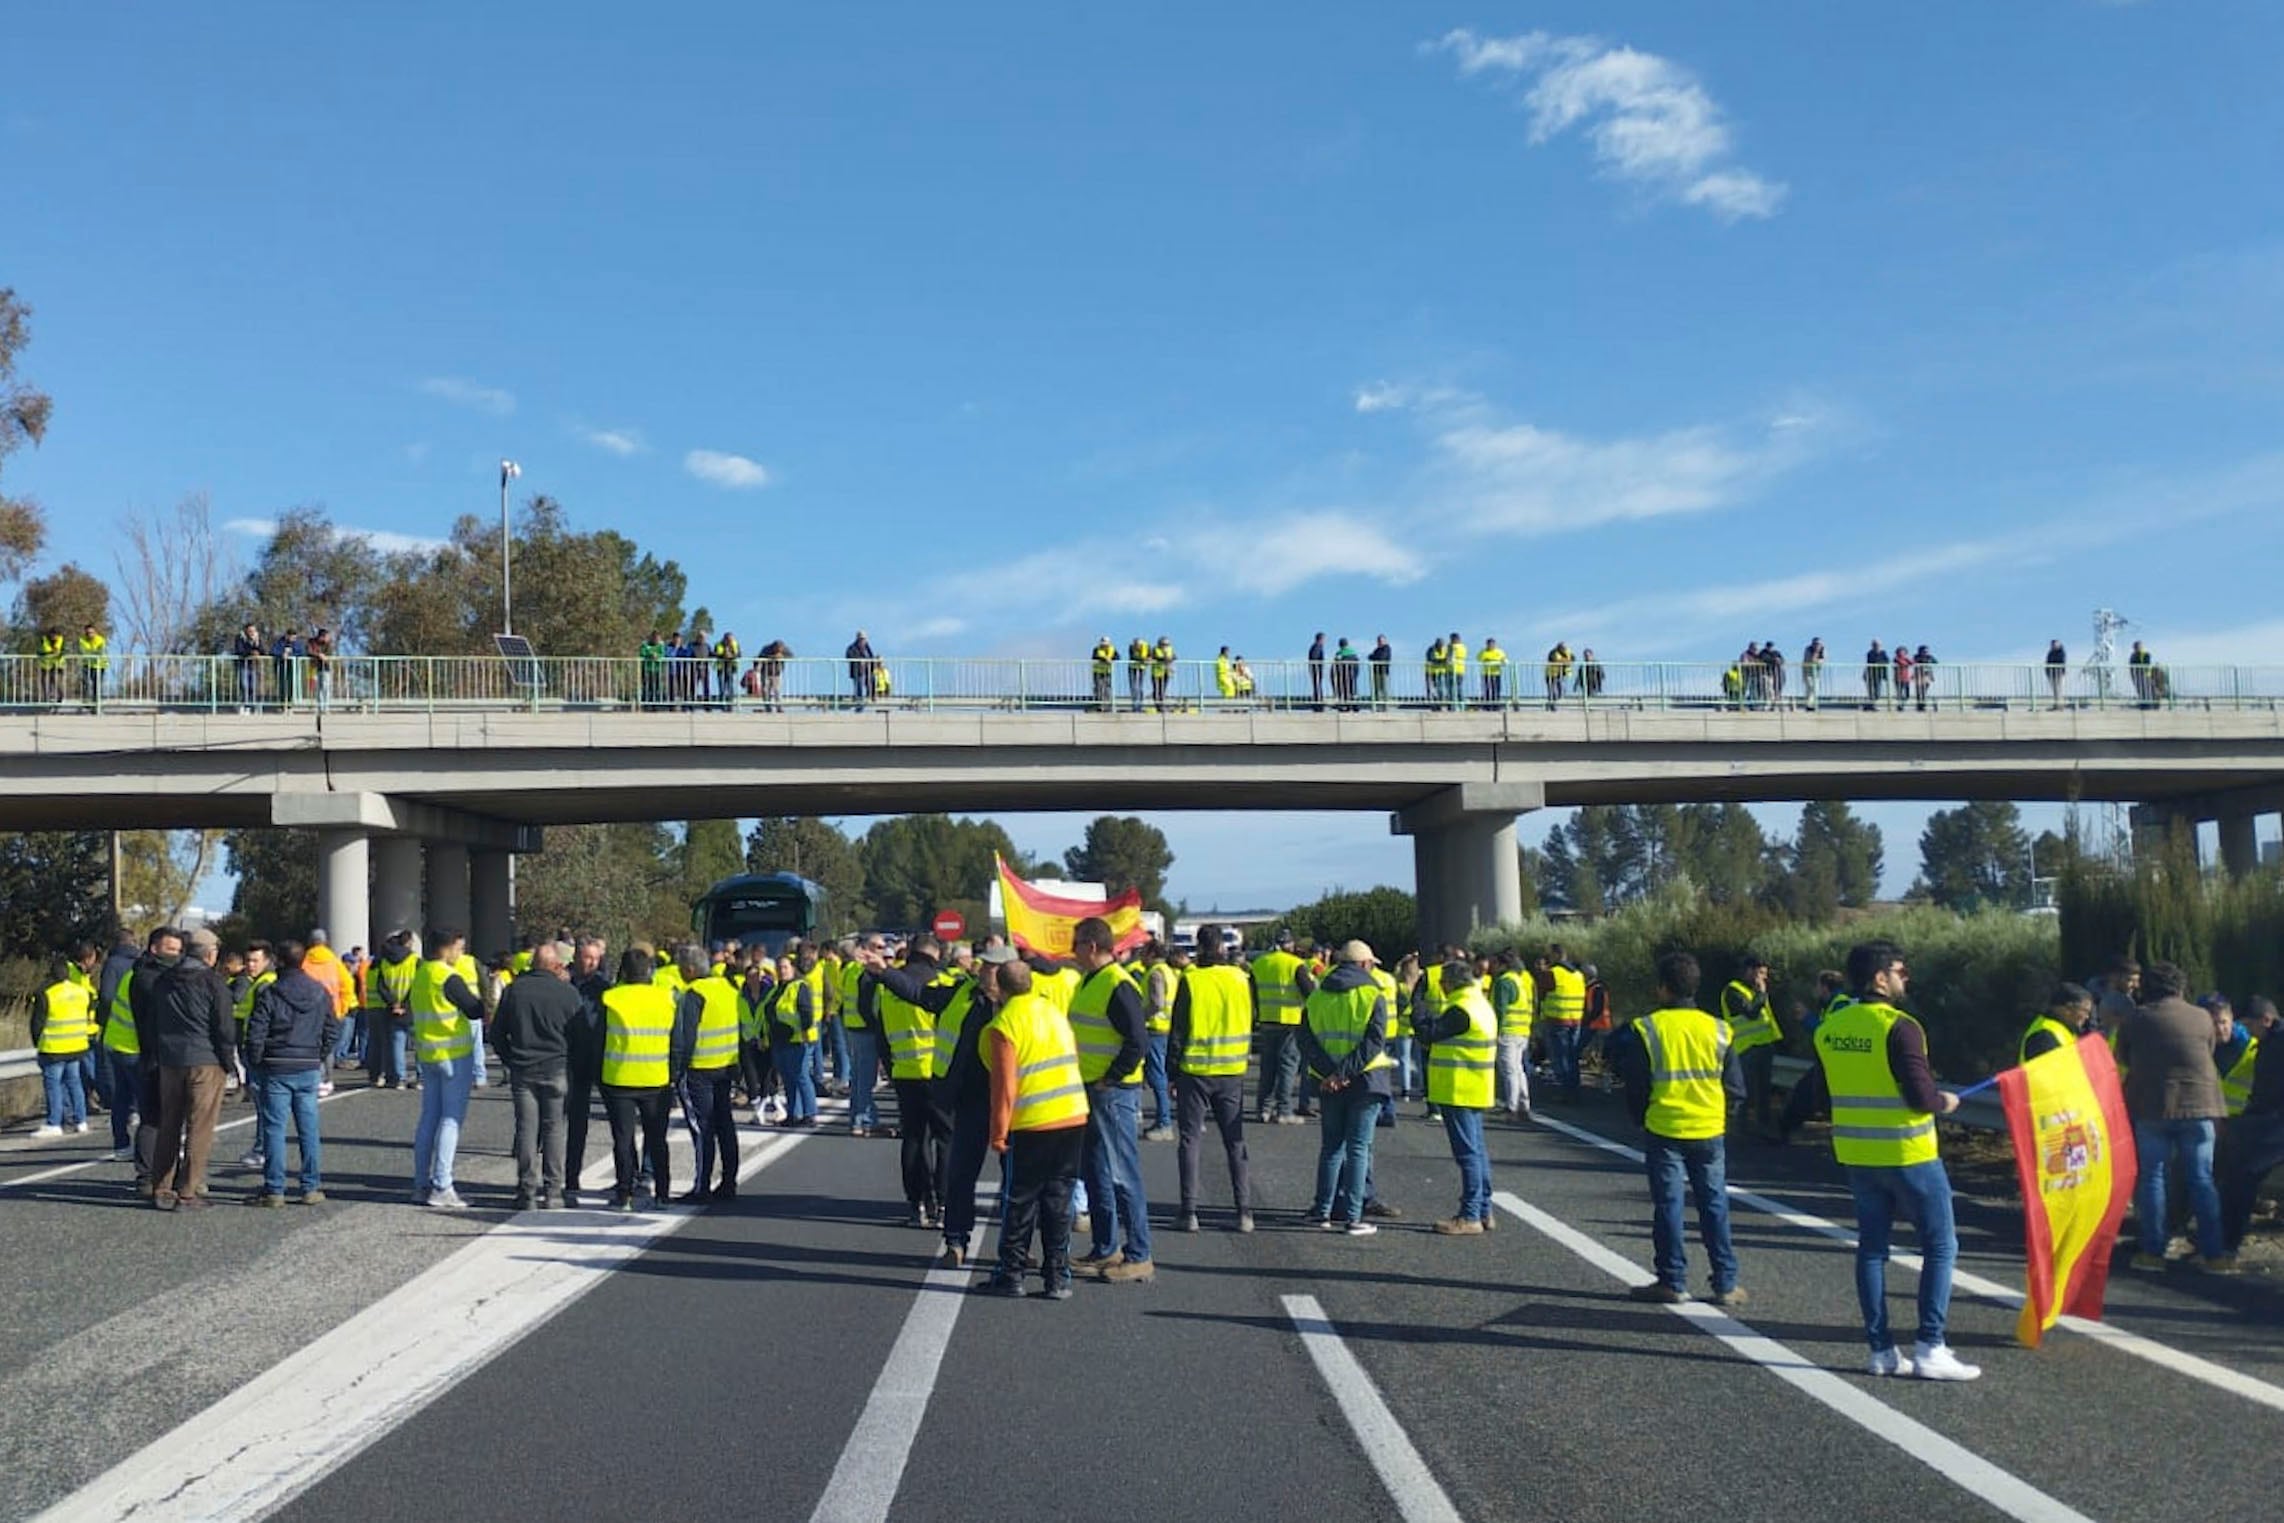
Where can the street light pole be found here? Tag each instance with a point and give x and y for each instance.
(509, 471)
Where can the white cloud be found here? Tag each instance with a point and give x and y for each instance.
(1300, 547)
(1380, 396)
(734, 472)
(942, 628)
(621, 442)
(387, 541)
(468, 394)
(1649, 120)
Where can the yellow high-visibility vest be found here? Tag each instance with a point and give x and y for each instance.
(2051, 1027)
(439, 1031)
(911, 1035)
(716, 1045)
(1277, 986)
(1566, 1001)
(1748, 1031)
(1871, 1124)
(71, 1022)
(851, 974)
(1048, 1089)
(1098, 1040)
(119, 1021)
(1460, 1067)
(951, 1021)
(1517, 994)
(1686, 1050)
(1341, 1019)
(638, 1032)
(243, 1006)
(1221, 1021)
(2236, 1084)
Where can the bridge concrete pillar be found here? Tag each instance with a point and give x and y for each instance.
(1466, 869)
(396, 885)
(448, 885)
(343, 868)
(491, 927)
(2240, 845)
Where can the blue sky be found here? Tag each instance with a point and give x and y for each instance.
(1659, 327)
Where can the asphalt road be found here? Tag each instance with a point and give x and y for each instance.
(737, 1365)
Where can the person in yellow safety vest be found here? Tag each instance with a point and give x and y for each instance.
(1559, 1017)
(1455, 682)
(1344, 1037)
(1754, 1032)
(794, 1024)
(2255, 1137)
(922, 1129)
(858, 1029)
(1399, 1033)
(1680, 1069)
(2235, 1053)
(1224, 676)
(1438, 668)
(1137, 669)
(51, 663)
(1872, 1058)
(122, 1051)
(1557, 673)
(956, 1118)
(1281, 982)
(1112, 1034)
(1405, 1045)
(638, 1076)
(757, 992)
(2069, 1015)
(1463, 1045)
(94, 661)
(1157, 978)
(666, 970)
(1103, 661)
(447, 1024)
(63, 1030)
(726, 652)
(705, 1053)
(388, 1010)
(1493, 661)
(261, 971)
(1052, 981)
(1207, 1041)
(1161, 671)
(1514, 999)
(1037, 1121)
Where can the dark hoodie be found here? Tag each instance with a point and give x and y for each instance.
(292, 1026)
(1379, 1081)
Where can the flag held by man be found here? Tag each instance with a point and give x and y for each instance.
(1042, 922)
(2073, 1152)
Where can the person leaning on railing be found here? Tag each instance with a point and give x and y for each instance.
(51, 663)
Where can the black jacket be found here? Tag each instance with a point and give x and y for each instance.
(190, 1024)
(292, 1026)
(142, 999)
(533, 1028)
(965, 1078)
(1343, 978)
(583, 1038)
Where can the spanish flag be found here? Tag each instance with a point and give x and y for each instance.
(1040, 922)
(2073, 1152)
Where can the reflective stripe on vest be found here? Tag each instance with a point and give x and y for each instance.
(851, 974)
(119, 1022)
(950, 1022)
(70, 1023)
(439, 1030)
(1341, 1020)
(1687, 1049)
(1747, 1032)
(1098, 1040)
(1399, 1023)
(2052, 1027)
(1517, 997)
(390, 983)
(716, 1045)
(638, 1030)
(2236, 1084)
(1872, 1126)
(1276, 985)
(911, 1035)
(1048, 1089)
(1221, 1022)
(753, 1012)
(1460, 1067)
(1566, 1001)
(243, 1006)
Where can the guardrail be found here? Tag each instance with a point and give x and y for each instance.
(388, 684)
(23, 1063)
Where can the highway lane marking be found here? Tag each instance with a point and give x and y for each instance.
(1414, 1488)
(2220, 1376)
(871, 1467)
(296, 1421)
(1954, 1462)
(61, 1170)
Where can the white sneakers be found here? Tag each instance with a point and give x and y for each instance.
(1937, 1362)
(48, 1131)
(79, 1128)
(1888, 1361)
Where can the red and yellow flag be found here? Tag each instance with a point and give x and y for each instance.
(1042, 922)
(2073, 1152)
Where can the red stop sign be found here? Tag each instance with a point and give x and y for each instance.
(949, 925)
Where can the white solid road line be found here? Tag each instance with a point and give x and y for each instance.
(59, 1172)
(1414, 1488)
(1954, 1462)
(871, 1466)
(2237, 1383)
(297, 1420)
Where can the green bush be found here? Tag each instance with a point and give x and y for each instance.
(1386, 919)
(2226, 933)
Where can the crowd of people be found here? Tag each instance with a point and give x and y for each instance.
(1065, 1066)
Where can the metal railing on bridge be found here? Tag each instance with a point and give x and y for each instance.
(130, 683)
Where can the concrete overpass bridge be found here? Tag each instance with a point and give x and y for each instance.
(421, 798)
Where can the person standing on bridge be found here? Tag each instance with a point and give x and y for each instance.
(1161, 671)
(861, 665)
(292, 1028)
(1103, 661)
(1493, 661)
(1207, 1041)
(1383, 659)
(1872, 1058)
(1316, 671)
(1137, 670)
(1679, 1067)
(447, 1018)
(638, 1076)
(1281, 981)
(1112, 1032)
(1875, 675)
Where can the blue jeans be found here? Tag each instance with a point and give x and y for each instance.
(1562, 1053)
(816, 1051)
(1921, 1191)
(126, 1090)
(1344, 1155)
(64, 1078)
(95, 1073)
(1464, 1126)
(1407, 1069)
(1704, 1164)
(444, 1089)
(345, 1046)
(1276, 1094)
(296, 1092)
(800, 1085)
(1112, 1168)
(863, 1071)
(2190, 1144)
(1154, 1074)
(837, 1037)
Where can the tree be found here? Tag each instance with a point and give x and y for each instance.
(159, 871)
(710, 851)
(23, 420)
(619, 882)
(816, 850)
(1122, 852)
(1834, 859)
(1385, 919)
(1534, 876)
(66, 599)
(1589, 860)
(168, 573)
(277, 880)
(1975, 855)
(308, 574)
(54, 887)
(921, 863)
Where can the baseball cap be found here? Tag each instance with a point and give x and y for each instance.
(1357, 951)
(999, 954)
